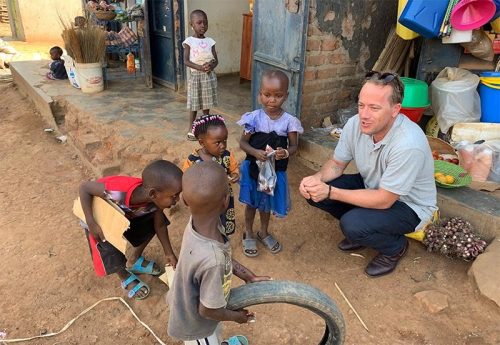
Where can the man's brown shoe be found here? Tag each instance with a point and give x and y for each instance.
(346, 246)
(384, 264)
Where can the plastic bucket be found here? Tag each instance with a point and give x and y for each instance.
(416, 93)
(489, 91)
(90, 77)
(401, 30)
(414, 114)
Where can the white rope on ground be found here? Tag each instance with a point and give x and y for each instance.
(6, 341)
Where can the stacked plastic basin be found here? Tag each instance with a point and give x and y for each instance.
(424, 16)
(416, 98)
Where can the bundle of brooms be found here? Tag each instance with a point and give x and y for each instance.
(85, 44)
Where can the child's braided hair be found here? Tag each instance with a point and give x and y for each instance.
(202, 125)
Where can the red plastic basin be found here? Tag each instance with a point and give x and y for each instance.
(414, 114)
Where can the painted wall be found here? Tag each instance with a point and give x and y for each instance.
(224, 26)
(40, 19)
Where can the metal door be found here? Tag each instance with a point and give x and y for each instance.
(279, 29)
(161, 30)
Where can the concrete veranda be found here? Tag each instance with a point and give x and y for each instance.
(128, 124)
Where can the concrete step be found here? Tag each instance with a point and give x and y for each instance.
(126, 126)
(86, 144)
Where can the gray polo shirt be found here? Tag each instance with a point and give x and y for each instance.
(400, 163)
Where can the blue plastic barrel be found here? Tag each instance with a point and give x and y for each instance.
(489, 91)
(424, 16)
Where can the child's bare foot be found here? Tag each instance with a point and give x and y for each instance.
(137, 289)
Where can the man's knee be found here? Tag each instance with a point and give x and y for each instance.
(354, 225)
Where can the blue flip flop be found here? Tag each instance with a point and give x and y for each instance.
(131, 294)
(236, 340)
(137, 268)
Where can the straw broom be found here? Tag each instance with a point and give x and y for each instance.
(85, 44)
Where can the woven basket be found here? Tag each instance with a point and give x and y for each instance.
(105, 15)
(462, 178)
(440, 146)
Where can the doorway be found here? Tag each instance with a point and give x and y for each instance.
(162, 42)
(225, 26)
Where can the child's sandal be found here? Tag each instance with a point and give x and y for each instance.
(271, 243)
(190, 136)
(249, 247)
(150, 268)
(140, 284)
(236, 340)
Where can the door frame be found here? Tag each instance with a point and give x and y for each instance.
(177, 38)
(302, 63)
(170, 85)
(147, 65)
(180, 35)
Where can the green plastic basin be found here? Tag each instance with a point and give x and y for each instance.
(416, 93)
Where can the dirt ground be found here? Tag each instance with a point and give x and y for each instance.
(47, 277)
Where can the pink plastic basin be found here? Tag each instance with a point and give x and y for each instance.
(472, 14)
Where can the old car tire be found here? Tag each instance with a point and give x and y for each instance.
(294, 293)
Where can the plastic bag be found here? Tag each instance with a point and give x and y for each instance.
(69, 64)
(480, 46)
(267, 174)
(454, 97)
(482, 161)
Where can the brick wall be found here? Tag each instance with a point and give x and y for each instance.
(344, 39)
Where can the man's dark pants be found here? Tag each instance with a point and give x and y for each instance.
(382, 230)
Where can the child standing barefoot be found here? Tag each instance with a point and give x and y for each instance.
(271, 126)
(200, 56)
(211, 133)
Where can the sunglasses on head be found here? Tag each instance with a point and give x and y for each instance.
(385, 77)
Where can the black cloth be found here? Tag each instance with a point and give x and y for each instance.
(110, 259)
(58, 70)
(260, 141)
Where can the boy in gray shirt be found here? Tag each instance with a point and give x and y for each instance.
(202, 281)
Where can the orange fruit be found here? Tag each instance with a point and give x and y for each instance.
(449, 179)
(441, 178)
